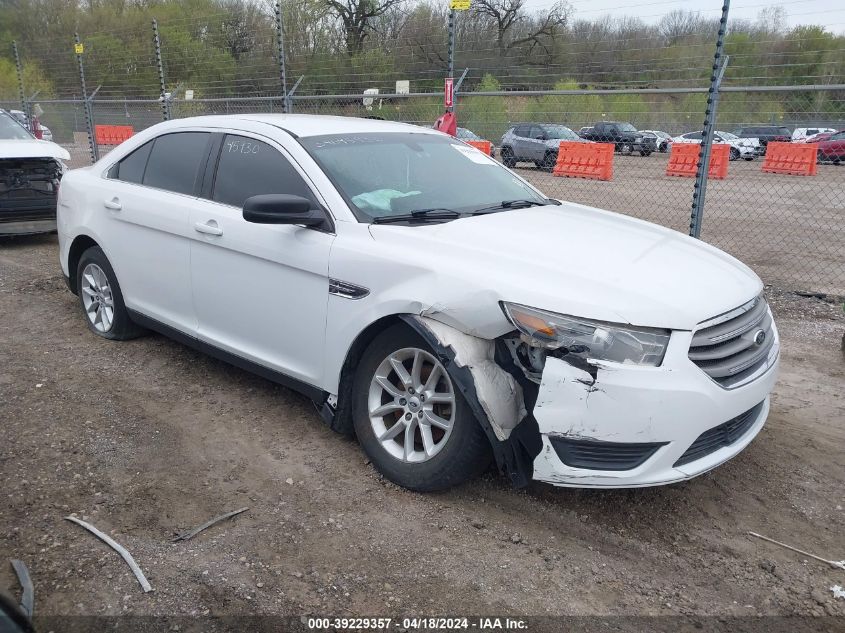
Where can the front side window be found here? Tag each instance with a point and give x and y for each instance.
(693, 136)
(560, 132)
(627, 127)
(248, 167)
(385, 174)
(175, 160)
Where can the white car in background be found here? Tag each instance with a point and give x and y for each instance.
(426, 298)
(806, 134)
(664, 140)
(30, 171)
(20, 117)
(745, 148)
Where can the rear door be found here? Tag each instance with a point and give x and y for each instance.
(260, 290)
(146, 200)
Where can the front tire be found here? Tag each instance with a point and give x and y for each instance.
(101, 298)
(410, 417)
(549, 161)
(734, 154)
(508, 159)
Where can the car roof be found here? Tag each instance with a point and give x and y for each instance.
(308, 124)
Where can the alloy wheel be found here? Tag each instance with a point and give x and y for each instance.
(97, 298)
(411, 404)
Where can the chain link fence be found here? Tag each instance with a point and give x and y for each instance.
(790, 229)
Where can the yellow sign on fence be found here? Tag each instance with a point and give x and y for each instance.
(78, 49)
(459, 5)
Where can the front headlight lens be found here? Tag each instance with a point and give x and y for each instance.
(590, 339)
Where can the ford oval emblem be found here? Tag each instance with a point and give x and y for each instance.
(759, 337)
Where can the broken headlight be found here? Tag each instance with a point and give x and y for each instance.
(590, 339)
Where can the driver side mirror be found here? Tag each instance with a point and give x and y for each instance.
(283, 208)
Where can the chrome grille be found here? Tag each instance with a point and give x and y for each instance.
(734, 348)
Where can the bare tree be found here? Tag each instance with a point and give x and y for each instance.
(514, 27)
(356, 17)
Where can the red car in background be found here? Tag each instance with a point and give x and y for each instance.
(832, 148)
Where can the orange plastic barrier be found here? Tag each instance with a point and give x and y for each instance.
(584, 160)
(797, 159)
(484, 146)
(112, 134)
(683, 160)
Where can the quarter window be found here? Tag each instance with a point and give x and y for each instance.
(175, 161)
(248, 167)
(131, 168)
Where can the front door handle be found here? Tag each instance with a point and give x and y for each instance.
(209, 228)
(113, 204)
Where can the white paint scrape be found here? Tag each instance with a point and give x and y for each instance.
(498, 392)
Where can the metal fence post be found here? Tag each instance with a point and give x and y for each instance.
(19, 70)
(280, 51)
(165, 102)
(450, 74)
(718, 71)
(289, 96)
(89, 115)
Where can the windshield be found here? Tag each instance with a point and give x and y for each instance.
(560, 132)
(728, 135)
(396, 173)
(11, 129)
(627, 127)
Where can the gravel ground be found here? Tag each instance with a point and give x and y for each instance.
(147, 438)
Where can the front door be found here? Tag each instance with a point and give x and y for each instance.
(260, 290)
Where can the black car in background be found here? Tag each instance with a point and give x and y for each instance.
(624, 136)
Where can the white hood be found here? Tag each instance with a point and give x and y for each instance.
(32, 148)
(585, 262)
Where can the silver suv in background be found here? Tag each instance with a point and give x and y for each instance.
(537, 143)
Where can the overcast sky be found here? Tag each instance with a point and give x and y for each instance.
(830, 13)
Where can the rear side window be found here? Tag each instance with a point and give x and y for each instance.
(695, 136)
(131, 168)
(521, 130)
(248, 167)
(175, 160)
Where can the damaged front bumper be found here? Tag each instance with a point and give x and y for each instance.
(618, 426)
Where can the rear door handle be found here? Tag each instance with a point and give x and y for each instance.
(113, 204)
(209, 228)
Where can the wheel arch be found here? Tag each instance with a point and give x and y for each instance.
(340, 419)
(80, 244)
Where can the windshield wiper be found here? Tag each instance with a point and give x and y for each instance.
(514, 204)
(418, 215)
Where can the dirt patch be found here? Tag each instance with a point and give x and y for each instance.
(147, 438)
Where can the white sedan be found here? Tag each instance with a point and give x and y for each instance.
(426, 298)
(745, 148)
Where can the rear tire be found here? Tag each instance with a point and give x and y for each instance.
(508, 159)
(436, 458)
(626, 149)
(101, 298)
